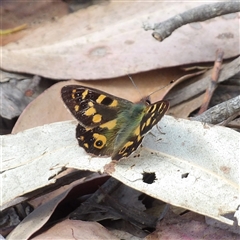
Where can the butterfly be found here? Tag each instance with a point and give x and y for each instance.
(109, 125)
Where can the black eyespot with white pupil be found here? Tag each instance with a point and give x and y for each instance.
(100, 140)
(99, 143)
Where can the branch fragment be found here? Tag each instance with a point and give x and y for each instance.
(202, 13)
(220, 112)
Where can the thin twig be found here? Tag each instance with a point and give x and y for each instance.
(214, 81)
(12, 30)
(225, 122)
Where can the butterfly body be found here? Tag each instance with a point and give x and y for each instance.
(108, 125)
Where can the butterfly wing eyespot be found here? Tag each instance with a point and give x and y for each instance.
(98, 141)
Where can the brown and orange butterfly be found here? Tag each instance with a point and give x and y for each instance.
(109, 125)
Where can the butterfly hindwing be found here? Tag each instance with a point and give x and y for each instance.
(98, 141)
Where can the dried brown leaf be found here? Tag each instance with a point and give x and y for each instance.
(90, 44)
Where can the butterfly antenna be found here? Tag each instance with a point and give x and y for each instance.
(172, 81)
(134, 85)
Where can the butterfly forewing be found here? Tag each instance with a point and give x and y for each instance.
(92, 107)
(152, 114)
